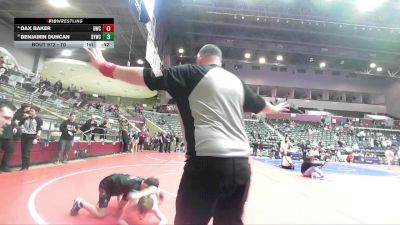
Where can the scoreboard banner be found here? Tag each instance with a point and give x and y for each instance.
(64, 32)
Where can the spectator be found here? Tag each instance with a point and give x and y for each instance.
(161, 142)
(350, 156)
(58, 87)
(7, 145)
(260, 147)
(398, 154)
(21, 113)
(284, 147)
(89, 125)
(7, 110)
(314, 152)
(68, 129)
(255, 147)
(154, 143)
(389, 155)
(177, 143)
(142, 137)
(102, 129)
(6, 133)
(168, 139)
(31, 130)
(274, 154)
(304, 149)
(125, 137)
(135, 138)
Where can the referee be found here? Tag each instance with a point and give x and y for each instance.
(211, 102)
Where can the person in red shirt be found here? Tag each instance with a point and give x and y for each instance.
(350, 157)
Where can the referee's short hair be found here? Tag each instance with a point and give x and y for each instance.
(210, 50)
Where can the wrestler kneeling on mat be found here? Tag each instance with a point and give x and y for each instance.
(143, 211)
(130, 187)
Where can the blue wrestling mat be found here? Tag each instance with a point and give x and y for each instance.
(333, 168)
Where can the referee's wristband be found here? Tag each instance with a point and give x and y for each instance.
(107, 69)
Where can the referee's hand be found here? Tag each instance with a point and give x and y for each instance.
(281, 107)
(96, 56)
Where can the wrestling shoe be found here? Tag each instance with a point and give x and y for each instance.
(76, 207)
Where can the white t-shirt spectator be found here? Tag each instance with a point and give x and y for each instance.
(389, 155)
(284, 147)
(384, 144)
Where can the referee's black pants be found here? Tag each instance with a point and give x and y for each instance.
(213, 188)
(26, 147)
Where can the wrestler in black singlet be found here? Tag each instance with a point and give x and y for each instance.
(117, 184)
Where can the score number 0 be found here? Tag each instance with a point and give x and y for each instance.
(108, 27)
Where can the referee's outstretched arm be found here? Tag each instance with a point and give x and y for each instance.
(135, 75)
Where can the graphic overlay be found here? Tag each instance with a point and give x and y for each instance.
(64, 32)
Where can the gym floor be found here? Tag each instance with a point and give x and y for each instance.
(350, 194)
